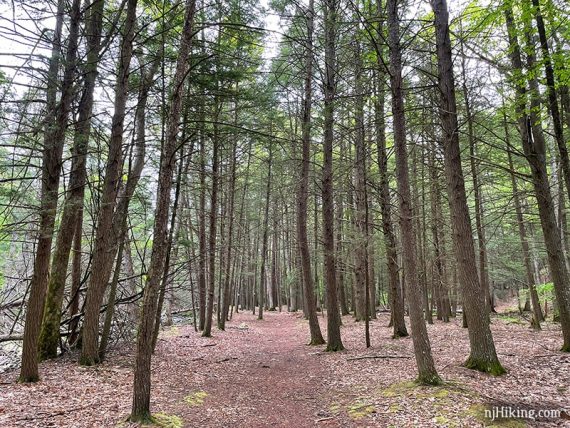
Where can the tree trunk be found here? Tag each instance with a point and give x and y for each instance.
(333, 314)
(360, 250)
(537, 311)
(141, 388)
(50, 334)
(173, 236)
(54, 139)
(213, 223)
(394, 289)
(483, 355)
(535, 152)
(263, 273)
(552, 94)
(427, 373)
(106, 238)
(75, 278)
(229, 242)
(302, 193)
(202, 235)
(483, 271)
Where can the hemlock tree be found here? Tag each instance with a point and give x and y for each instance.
(427, 373)
(334, 341)
(483, 355)
(141, 387)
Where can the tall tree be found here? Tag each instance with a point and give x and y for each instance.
(427, 373)
(50, 330)
(106, 239)
(483, 355)
(394, 290)
(56, 124)
(302, 192)
(141, 388)
(329, 89)
(534, 148)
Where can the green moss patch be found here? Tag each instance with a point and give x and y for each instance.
(398, 389)
(413, 389)
(164, 420)
(507, 319)
(477, 411)
(196, 398)
(359, 410)
(334, 408)
(443, 421)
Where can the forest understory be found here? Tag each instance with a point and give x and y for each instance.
(258, 373)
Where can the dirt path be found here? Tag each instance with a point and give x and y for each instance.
(261, 374)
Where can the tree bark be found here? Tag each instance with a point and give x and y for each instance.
(394, 289)
(333, 315)
(316, 337)
(50, 333)
(141, 388)
(427, 373)
(483, 270)
(551, 90)
(535, 152)
(483, 355)
(537, 311)
(54, 139)
(202, 235)
(106, 238)
(263, 273)
(361, 241)
(213, 223)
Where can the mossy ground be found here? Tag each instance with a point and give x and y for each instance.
(435, 400)
(196, 398)
(509, 319)
(164, 420)
(477, 411)
(360, 409)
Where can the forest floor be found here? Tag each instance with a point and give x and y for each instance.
(261, 374)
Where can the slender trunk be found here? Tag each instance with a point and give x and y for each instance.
(361, 241)
(394, 289)
(302, 193)
(263, 274)
(213, 233)
(483, 271)
(202, 235)
(109, 312)
(551, 90)
(333, 314)
(141, 388)
(535, 152)
(427, 373)
(54, 139)
(106, 238)
(537, 311)
(75, 278)
(50, 334)
(229, 243)
(438, 244)
(173, 236)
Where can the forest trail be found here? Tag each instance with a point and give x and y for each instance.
(262, 374)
